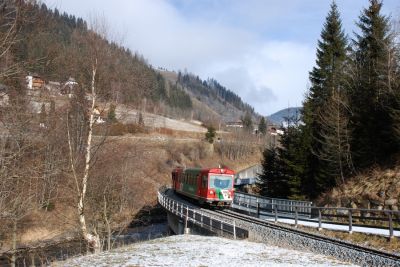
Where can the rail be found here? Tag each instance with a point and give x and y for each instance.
(278, 208)
(199, 218)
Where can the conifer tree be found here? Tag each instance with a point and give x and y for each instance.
(326, 77)
(372, 96)
(262, 126)
(210, 134)
(272, 182)
(111, 116)
(247, 122)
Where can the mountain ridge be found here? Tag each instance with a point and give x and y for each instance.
(280, 116)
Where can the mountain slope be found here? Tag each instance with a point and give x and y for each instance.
(212, 102)
(281, 116)
(60, 46)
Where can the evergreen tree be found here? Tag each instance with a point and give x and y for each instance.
(247, 122)
(262, 126)
(111, 116)
(326, 77)
(272, 182)
(210, 134)
(372, 96)
(293, 159)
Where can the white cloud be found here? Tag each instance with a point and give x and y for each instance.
(262, 50)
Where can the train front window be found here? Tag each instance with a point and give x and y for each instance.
(221, 181)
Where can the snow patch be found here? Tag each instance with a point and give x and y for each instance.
(192, 250)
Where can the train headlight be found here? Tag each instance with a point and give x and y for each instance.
(211, 192)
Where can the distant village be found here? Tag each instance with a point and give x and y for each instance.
(42, 93)
(272, 129)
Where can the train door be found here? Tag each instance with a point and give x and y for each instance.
(203, 185)
(175, 180)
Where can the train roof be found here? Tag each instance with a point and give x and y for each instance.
(211, 170)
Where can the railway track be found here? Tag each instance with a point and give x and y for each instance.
(347, 245)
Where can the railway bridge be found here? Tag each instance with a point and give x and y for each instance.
(249, 219)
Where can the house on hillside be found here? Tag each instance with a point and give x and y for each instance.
(34, 82)
(68, 88)
(97, 115)
(234, 124)
(275, 131)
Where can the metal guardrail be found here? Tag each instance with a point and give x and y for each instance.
(273, 204)
(279, 208)
(197, 217)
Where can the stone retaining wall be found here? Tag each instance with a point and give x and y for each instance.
(287, 239)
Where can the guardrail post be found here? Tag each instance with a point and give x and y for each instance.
(210, 223)
(390, 225)
(186, 221)
(319, 220)
(350, 222)
(276, 212)
(258, 209)
(296, 215)
(181, 210)
(234, 229)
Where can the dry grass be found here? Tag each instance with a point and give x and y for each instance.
(367, 190)
(146, 164)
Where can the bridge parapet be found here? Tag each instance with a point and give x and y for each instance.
(192, 216)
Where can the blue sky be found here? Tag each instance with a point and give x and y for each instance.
(260, 49)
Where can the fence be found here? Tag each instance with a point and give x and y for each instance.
(199, 218)
(282, 208)
(272, 205)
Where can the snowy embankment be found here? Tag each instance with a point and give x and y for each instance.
(191, 250)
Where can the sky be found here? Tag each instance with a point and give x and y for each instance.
(262, 50)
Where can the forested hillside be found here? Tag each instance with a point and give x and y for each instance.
(212, 102)
(53, 45)
(350, 116)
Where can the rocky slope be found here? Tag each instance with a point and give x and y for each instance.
(374, 189)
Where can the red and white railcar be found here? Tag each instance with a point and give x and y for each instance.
(212, 186)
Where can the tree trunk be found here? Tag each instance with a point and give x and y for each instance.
(92, 239)
(14, 244)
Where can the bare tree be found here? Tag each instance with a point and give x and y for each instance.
(81, 174)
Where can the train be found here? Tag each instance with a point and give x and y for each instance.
(213, 187)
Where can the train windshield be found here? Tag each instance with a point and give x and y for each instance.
(221, 181)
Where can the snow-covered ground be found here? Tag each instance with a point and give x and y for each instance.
(192, 250)
(127, 115)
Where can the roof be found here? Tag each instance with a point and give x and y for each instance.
(211, 170)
